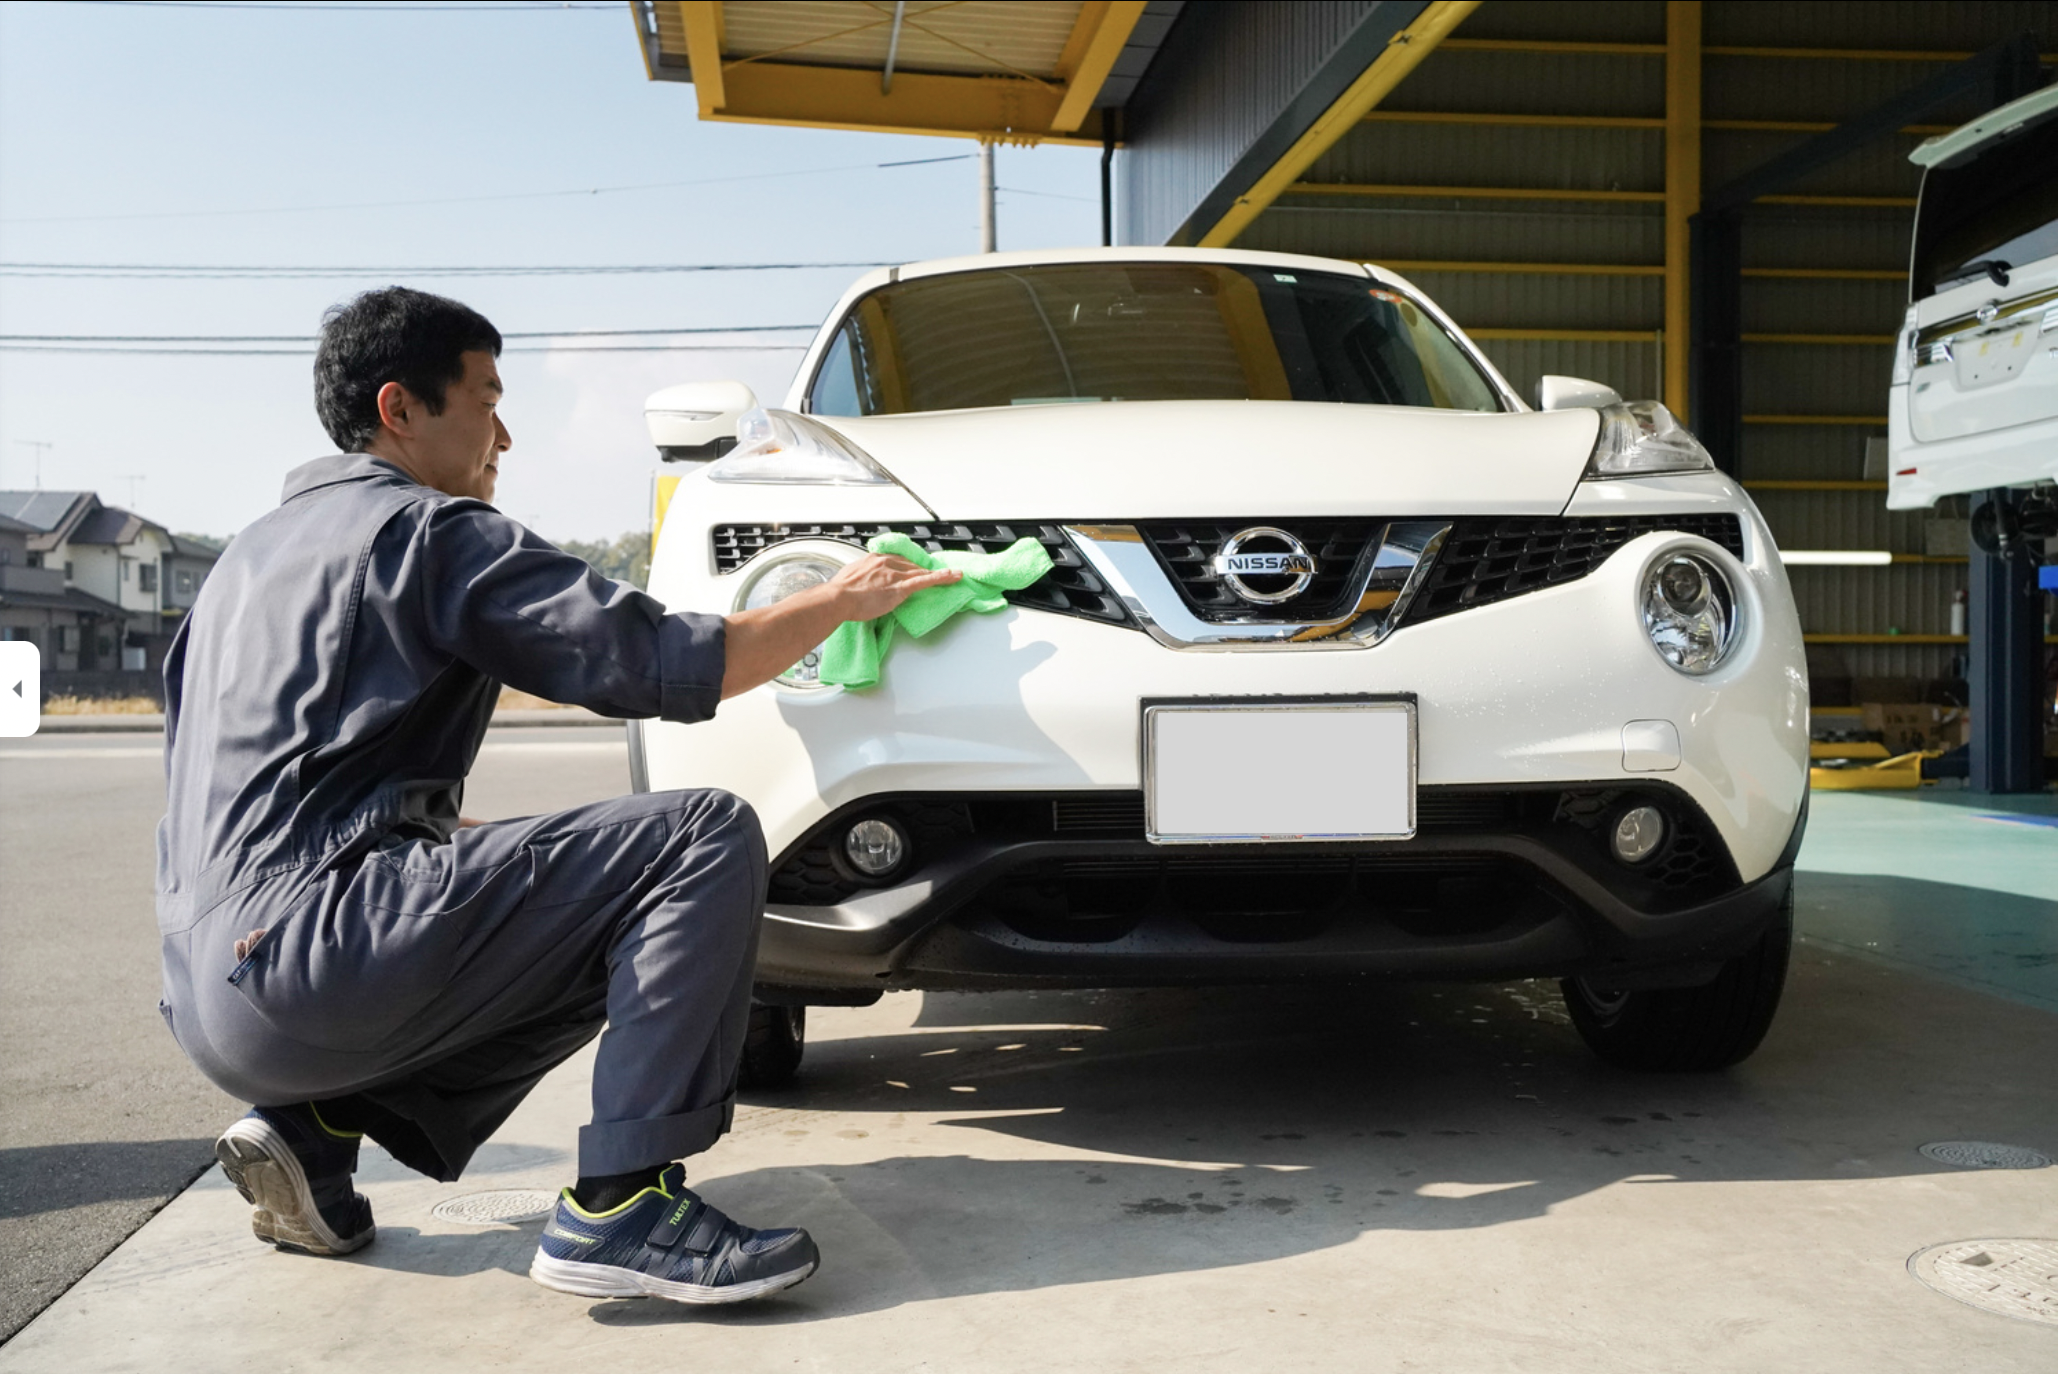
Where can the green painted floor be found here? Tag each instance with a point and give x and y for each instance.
(1952, 884)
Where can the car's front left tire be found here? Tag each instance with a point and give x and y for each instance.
(773, 1046)
(1695, 1029)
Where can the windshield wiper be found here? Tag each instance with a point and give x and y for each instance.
(1997, 270)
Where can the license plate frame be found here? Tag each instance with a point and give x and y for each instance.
(1262, 743)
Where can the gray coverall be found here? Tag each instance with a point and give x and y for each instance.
(324, 700)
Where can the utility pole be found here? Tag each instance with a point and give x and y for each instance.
(986, 228)
(132, 478)
(40, 446)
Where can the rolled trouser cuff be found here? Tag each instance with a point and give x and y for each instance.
(620, 1147)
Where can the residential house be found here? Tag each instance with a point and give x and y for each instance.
(137, 578)
(66, 625)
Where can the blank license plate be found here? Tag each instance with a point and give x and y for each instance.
(1246, 771)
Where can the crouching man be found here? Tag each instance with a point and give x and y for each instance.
(347, 953)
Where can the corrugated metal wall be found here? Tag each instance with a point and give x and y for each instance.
(1224, 73)
(1792, 389)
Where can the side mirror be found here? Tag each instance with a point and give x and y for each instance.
(696, 421)
(1573, 393)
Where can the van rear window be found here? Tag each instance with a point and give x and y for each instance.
(2000, 209)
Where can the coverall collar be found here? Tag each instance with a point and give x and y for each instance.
(339, 467)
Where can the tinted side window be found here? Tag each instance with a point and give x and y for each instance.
(838, 389)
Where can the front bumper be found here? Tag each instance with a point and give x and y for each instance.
(1062, 890)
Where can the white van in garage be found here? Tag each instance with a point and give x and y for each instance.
(1974, 403)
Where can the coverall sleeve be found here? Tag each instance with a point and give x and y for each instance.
(523, 611)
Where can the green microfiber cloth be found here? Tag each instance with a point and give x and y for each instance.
(853, 654)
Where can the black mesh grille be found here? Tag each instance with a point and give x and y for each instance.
(1070, 588)
(1188, 548)
(1492, 559)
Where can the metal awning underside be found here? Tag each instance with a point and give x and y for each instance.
(1017, 71)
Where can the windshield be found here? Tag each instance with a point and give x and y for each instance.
(2000, 209)
(1140, 332)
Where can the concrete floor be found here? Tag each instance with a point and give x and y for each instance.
(1407, 1178)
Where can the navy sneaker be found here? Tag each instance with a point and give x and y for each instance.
(296, 1172)
(667, 1243)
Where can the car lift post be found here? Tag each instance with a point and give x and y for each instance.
(2007, 673)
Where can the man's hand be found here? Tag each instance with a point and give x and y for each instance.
(764, 643)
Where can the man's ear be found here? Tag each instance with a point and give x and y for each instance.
(397, 408)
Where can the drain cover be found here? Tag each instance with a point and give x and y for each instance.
(2013, 1278)
(495, 1209)
(1984, 1154)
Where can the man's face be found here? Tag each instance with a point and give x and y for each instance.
(459, 450)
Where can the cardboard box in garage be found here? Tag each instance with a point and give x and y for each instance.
(1905, 727)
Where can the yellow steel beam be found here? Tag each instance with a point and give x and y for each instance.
(1783, 484)
(1905, 202)
(1829, 273)
(703, 21)
(1543, 121)
(1848, 54)
(1541, 269)
(1818, 338)
(1007, 109)
(1552, 45)
(1090, 53)
(1807, 126)
(1404, 52)
(1357, 188)
(1581, 48)
(1875, 420)
(1682, 182)
(1635, 336)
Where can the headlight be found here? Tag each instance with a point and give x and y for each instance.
(1689, 612)
(1639, 438)
(773, 583)
(779, 446)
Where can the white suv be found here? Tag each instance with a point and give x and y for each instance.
(1975, 388)
(1350, 663)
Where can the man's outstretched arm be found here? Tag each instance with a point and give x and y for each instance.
(763, 643)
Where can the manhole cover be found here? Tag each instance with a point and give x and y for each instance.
(1984, 1154)
(495, 1209)
(2012, 1278)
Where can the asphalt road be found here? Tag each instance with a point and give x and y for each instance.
(101, 1119)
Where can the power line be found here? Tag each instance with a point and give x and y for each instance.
(112, 350)
(479, 200)
(203, 272)
(311, 338)
(540, 8)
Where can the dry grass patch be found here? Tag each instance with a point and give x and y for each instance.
(101, 706)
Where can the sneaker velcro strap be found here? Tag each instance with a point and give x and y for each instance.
(673, 1221)
(707, 1231)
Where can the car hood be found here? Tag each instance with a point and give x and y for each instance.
(1138, 460)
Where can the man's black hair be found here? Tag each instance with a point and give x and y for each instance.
(391, 335)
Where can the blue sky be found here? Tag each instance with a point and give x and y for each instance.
(155, 133)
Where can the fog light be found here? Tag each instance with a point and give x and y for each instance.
(875, 847)
(1638, 833)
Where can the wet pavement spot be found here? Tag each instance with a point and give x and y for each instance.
(2010, 1278)
(1984, 1154)
(504, 1207)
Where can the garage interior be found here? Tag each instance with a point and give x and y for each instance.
(1551, 174)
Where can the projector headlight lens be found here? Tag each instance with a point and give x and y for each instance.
(773, 584)
(1689, 612)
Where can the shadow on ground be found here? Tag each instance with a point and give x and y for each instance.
(36, 1179)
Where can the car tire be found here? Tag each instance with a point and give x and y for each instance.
(772, 1047)
(1688, 1030)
